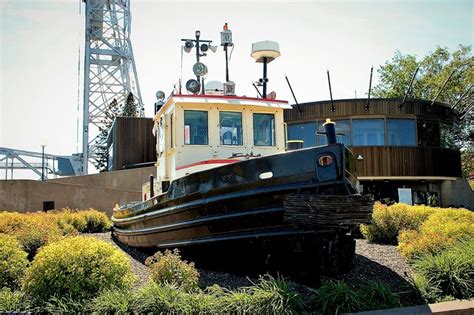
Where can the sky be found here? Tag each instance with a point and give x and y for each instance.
(41, 43)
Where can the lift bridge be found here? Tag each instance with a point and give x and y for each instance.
(42, 164)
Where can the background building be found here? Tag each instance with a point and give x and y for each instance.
(403, 151)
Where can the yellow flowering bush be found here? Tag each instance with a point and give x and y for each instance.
(168, 268)
(32, 230)
(439, 231)
(13, 262)
(389, 221)
(77, 267)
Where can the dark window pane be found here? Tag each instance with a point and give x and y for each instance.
(195, 127)
(401, 132)
(230, 128)
(367, 132)
(305, 132)
(428, 133)
(264, 129)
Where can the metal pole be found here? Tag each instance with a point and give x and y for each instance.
(442, 87)
(409, 87)
(264, 77)
(42, 162)
(6, 167)
(12, 169)
(152, 188)
(257, 90)
(226, 64)
(85, 114)
(294, 97)
(333, 108)
(367, 106)
(462, 96)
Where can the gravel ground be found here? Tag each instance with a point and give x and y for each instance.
(372, 262)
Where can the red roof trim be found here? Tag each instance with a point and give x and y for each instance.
(227, 161)
(231, 97)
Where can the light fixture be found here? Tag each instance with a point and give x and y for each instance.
(193, 86)
(160, 95)
(204, 47)
(199, 69)
(213, 48)
(198, 34)
(360, 157)
(188, 45)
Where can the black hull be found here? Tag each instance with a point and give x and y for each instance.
(277, 216)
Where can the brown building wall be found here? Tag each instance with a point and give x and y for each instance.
(100, 191)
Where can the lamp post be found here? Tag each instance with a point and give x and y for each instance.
(42, 161)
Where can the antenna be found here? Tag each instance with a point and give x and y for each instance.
(294, 97)
(226, 41)
(442, 87)
(367, 106)
(462, 96)
(265, 52)
(333, 108)
(409, 87)
(257, 90)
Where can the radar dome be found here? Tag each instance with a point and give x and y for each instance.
(214, 87)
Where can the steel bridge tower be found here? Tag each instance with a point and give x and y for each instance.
(109, 68)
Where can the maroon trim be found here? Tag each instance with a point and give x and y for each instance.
(227, 161)
(230, 97)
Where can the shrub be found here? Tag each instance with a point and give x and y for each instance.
(116, 301)
(13, 262)
(32, 230)
(336, 297)
(448, 274)
(76, 267)
(12, 301)
(84, 221)
(168, 269)
(389, 221)
(269, 296)
(376, 295)
(441, 230)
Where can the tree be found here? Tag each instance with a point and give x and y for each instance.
(434, 70)
(112, 111)
(130, 107)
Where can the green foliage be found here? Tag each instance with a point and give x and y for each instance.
(336, 297)
(130, 107)
(83, 221)
(447, 275)
(116, 301)
(435, 68)
(13, 262)
(376, 295)
(63, 305)
(169, 269)
(442, 229)
(12, 301)
(76, 267)
(389, 221)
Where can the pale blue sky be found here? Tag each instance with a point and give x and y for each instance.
(39, 42)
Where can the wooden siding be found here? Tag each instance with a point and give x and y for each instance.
(133, 141)
(378, 107)
(407, 161)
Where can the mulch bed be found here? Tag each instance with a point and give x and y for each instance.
(373, 262)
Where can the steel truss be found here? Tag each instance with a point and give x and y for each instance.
(109, 68)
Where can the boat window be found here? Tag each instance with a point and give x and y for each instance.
(161, 137)
(264, 129)
(305, 131)
(368, 132)
(343, 132)
(196, 127)
(401, 132)
(230, 128)
(171, 131)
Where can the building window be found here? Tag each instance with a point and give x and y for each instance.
(428, 133)
(401, 132)
(303, 131)
(230, 128)
(368, 132)
(264, 129)
(343, 128)
(196, 127)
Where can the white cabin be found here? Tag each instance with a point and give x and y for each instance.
(199, 132)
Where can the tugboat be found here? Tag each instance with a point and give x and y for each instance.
(227, 181)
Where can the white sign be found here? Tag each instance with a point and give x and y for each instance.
(404, 196)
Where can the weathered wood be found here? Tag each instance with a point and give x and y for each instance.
(321, 211)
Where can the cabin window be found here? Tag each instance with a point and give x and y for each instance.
(401, 132)
(196, 127)
(230, 124)
(171, 131)
(161, 137)
(264, 129)
(343, 132)
(305, 132)
(368, 132)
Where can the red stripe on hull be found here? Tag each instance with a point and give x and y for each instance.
(227, 161)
